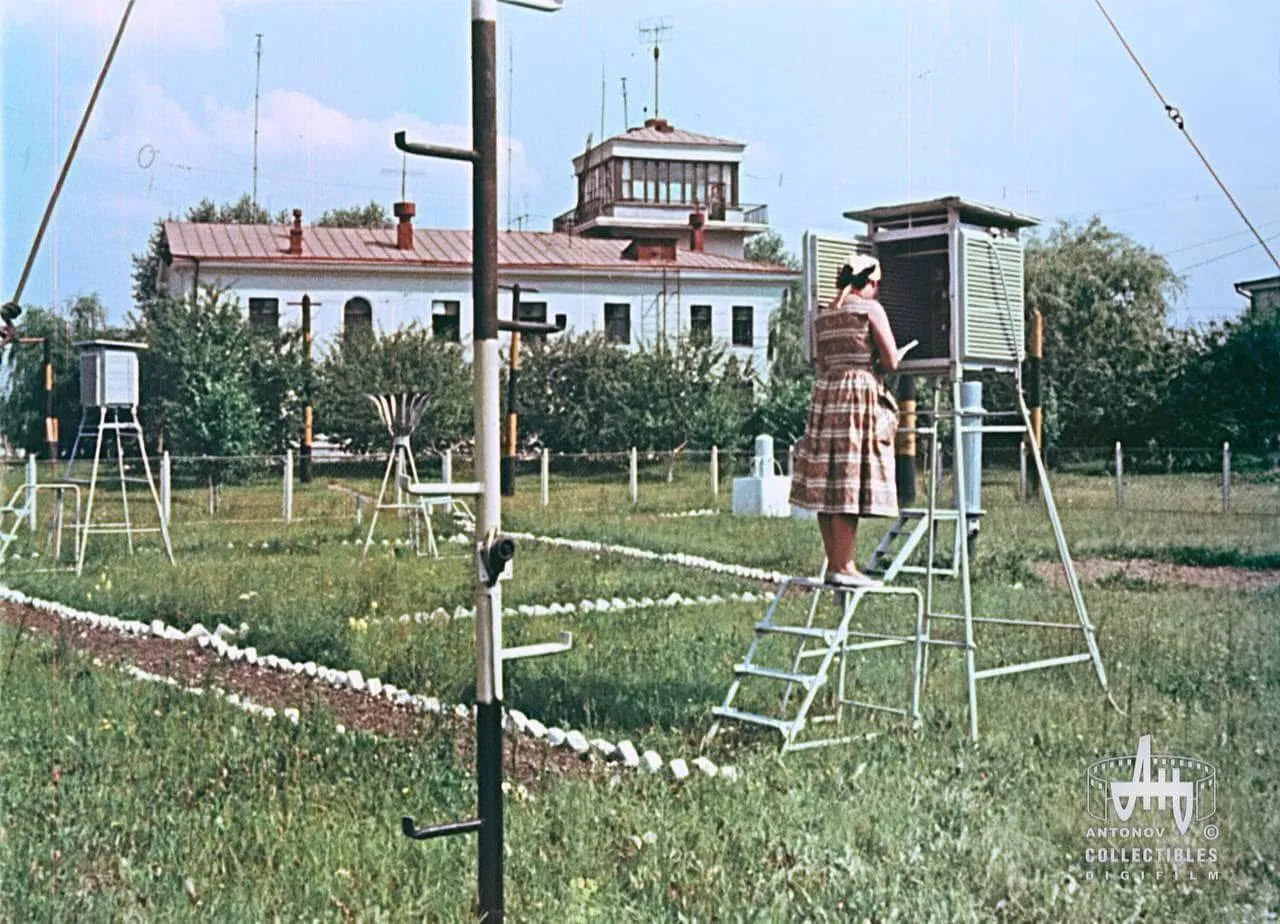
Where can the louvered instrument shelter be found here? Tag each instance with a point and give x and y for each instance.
(953, 280)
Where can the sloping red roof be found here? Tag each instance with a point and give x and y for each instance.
(431, 246)
(650, 134)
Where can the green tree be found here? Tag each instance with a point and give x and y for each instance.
(786, 324)
(372, 215)
(583, 394)
(199, 373)
(1228, 389)
(22, 396)
(405, 361)
(1109, 354)
(785, 402)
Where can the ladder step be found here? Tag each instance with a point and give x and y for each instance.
(917, 513)
(825, 635)
(783, 725)
(751, 670)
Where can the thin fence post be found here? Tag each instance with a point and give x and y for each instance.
(715, 471)
(359, 510)
(1119, 475)
(446, 466)
(791, 460)
(166, 486)
(288, 486)
(33, 478)
(1226, 477)
(544, 480)
(1022, 471)
(634, 481)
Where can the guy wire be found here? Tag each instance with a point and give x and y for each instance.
(1176, 117)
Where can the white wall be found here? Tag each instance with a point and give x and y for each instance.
(401, 297)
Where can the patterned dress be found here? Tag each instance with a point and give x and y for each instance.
(845, 461)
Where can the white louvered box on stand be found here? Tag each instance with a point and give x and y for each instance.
(952, 279)
(109, 395)
(109, 373)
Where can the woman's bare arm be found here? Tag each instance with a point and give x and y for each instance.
(883, 334)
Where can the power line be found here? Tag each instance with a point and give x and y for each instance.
(1230, 253)
(1176, 117)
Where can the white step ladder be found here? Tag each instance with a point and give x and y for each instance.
(778, 644)
(892, 558)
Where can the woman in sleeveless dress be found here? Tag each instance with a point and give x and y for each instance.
(844, 464)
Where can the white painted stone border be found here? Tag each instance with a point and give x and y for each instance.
(676, 558)
(599, 605)
(515, 721)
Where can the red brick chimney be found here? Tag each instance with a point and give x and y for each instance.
(696, 222)
(295, 234)
(661, 125)
(404, 231)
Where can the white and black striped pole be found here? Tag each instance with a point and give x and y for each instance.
(491, 549)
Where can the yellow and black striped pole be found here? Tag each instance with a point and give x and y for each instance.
(1035, 397)
(905, 442)
(50, 419)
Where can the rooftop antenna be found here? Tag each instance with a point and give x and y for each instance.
(626, 121)
(257, 88)
(654, 32)
(602, 91)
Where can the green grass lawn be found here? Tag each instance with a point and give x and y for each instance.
(268, 820)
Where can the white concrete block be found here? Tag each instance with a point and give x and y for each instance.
(196, 631)
(679, 769)
(706, 766)
(606, 749)
(251, 655)
(651, 761)
(578, 741)
(292, 715)
(517, 721)
(729, 773)
(204, 641)
(537, 729)
(356, 681)
(157, 628)
(556, 736)
(374, 686)
(627, 754)
(309, 668)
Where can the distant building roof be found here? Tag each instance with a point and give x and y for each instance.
(660, 131)
(1249, 286)
(269, 244)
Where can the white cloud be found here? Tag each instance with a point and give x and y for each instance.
(199, 23)
(311, 154)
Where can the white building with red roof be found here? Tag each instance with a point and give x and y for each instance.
(640, 262)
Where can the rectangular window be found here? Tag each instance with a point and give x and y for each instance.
(446, 321)
(264, 315)
(626, 178)
(651, 181)
(533, 311)
(617, 322)
(743, 326)
(700, 325)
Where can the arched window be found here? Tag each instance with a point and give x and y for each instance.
(357, 317)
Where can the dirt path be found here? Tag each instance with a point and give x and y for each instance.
(1157, 572)
(194, 666)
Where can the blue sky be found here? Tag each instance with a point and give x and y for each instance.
(1030, 104)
